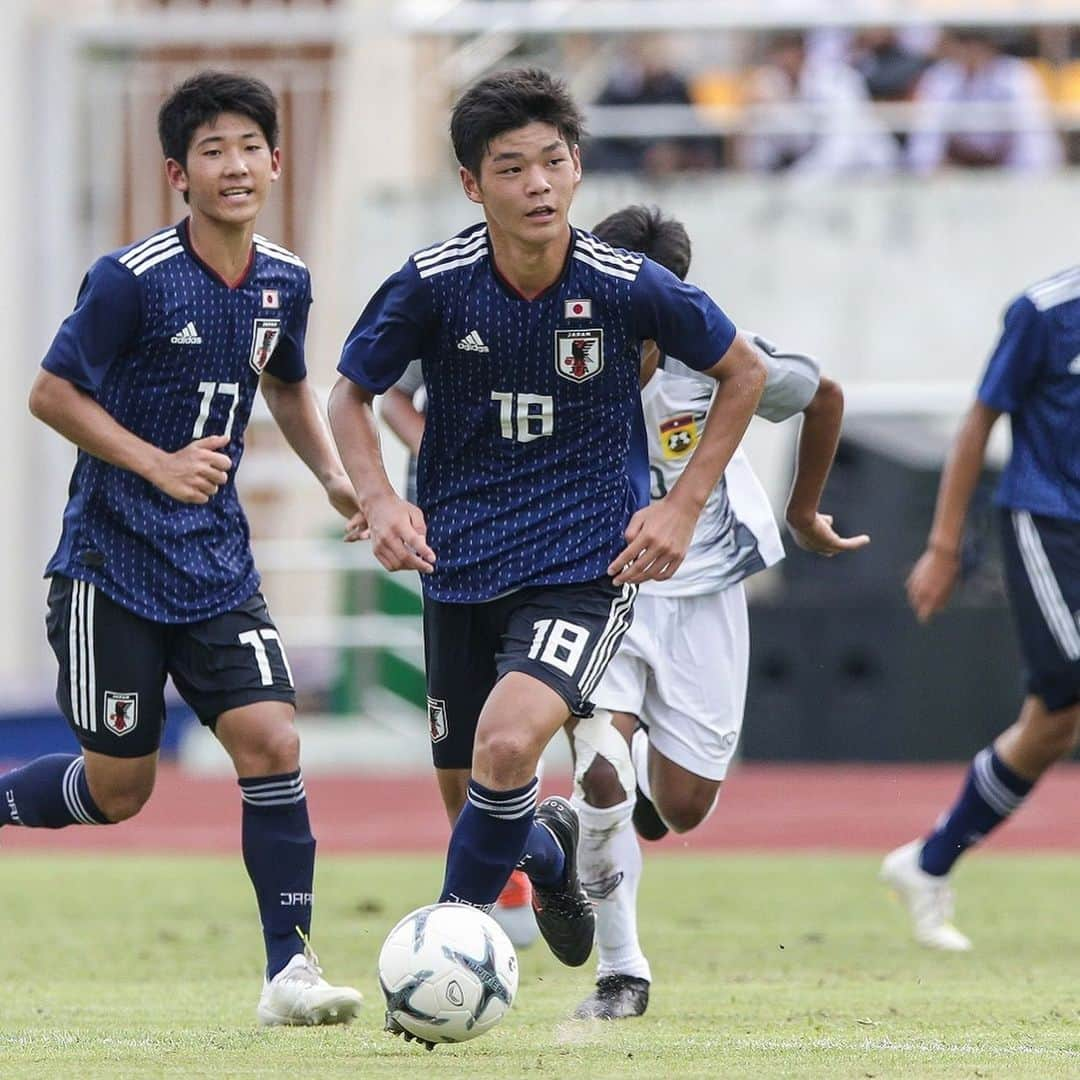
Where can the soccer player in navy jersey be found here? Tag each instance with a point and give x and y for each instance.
(1034, 376)
(532, 530)
(153, 377)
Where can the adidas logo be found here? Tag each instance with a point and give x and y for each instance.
(188, 336)
(472, 342)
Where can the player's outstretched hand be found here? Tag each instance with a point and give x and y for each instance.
(193, 473)
(399, 535)
(819, 536)
(931, 583)
(657, 539)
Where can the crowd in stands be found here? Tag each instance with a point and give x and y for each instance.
(836, 102)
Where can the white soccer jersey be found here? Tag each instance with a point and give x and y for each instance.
(736, 534)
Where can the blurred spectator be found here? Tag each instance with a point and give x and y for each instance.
(891, 69)
(839, 133)
(973, 70)
(644, 77)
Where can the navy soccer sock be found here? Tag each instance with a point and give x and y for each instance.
(279, 853)
(544, 860)
(488, 840)
(49, 793)
(991, 792)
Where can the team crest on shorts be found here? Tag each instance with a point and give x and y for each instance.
(437, 723)
(678, 436)
(121, 712)
(264, 341)
(579, 354)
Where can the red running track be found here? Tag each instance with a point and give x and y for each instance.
(762, 808)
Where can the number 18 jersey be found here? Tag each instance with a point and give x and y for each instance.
(173, 353)
(528, 471)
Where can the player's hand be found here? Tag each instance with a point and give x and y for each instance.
(818, 535)
(399, 535)
(657, 539)
(931, 583)
(342, 496)
(193, 473)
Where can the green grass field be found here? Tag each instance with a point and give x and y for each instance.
(792, 966)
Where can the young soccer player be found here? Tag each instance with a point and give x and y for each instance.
(153, 377)
(677, 686)
(1034, 376)
(532, 534)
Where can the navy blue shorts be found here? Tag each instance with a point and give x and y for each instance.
(1042, 569)
(563, 635)
(113, 666)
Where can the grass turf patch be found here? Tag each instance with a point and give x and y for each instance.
(763, 966)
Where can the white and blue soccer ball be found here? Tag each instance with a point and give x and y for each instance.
(448, 973)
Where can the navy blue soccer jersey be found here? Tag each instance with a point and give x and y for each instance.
(1034, 376)
(173, 354)
(528, 471)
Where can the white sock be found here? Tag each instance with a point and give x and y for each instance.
(639, 754)
(609, 862)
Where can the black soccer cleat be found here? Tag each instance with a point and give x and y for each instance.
(396, 1029)
(648, 824)
(563, 913)
(616, 997)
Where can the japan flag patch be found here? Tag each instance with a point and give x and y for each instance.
(271, 298)
(577, 309)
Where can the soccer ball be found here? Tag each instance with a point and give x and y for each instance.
(448, 972)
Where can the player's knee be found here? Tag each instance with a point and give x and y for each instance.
(1060, 734)
(504, 753)
(120, 804)
(600, 784)
(687, 810)
(271, 751)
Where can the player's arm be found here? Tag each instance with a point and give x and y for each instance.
(398, 529)
(659, 535)
(818, 439)
(191, 474)
(1015, 365)
(102, 331)
(296, 412)
(931, 582)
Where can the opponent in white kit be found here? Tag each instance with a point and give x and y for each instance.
(670, 705)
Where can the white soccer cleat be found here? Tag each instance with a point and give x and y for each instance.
(299, 995)
(929, 899)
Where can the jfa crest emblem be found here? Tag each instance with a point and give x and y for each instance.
(264, 339)
(437, 722)
(121, 712)
(678, 435)
(579, 354)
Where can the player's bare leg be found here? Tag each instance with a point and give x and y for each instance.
(279, 853)
(120, 786)
(1000, 779)
(682, 799)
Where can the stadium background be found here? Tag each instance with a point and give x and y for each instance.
(895, 278)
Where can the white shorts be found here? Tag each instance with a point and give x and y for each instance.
(682, 670)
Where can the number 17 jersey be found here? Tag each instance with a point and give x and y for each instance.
(534, 456)
(173, 353)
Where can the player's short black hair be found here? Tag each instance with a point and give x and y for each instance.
(202, 98)
(645, 229)
(509, 100)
